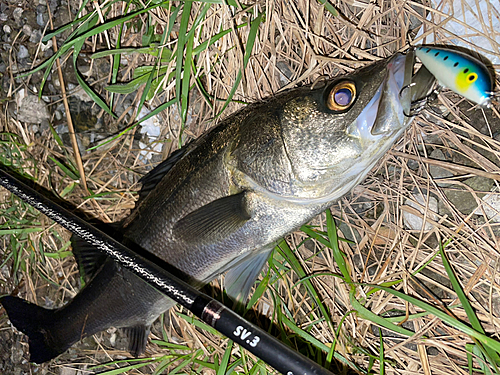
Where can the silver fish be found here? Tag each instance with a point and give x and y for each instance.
(223, 201)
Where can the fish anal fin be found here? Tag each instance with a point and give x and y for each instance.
(240, 279)
(138, 339)
(214, 221)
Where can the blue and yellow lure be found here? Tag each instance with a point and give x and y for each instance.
(459, 72)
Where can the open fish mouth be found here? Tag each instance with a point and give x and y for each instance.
(385, 113)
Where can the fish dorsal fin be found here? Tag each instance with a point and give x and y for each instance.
(240, 279)
(138, 338)
(214, 221)
(150, 180)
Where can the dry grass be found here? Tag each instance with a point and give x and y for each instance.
(301, 39)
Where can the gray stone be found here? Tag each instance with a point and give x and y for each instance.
(67, 371)
(463, 200)
(58, 115)
(32, 110)
(62, 129)
(438, 172)
(285, 74)
(46, 46)
(36, 36)
(17, 14)
(7, 29)
(40, 20)
(415, 222)
(491, 207)
(22, 53)
(478, 183)
(27, 30)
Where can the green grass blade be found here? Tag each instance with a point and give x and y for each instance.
(225, 359)
(67, 170)
(124, 369)
(254, 27)
(376, 319)
(186, 78)
(329, 7)
(149, 115)
(318, 344)
(299, 270)
(259, 291)
(455, 323)
(492, 355)
(83, 84)
(337, 253)
(476, 324)
(181, 42)
(198, 323)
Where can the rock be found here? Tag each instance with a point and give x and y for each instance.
(415, 222)
(40, 20)
(22, 53)
(67, 371)
(491, 207)
(438, 172)
(478, 183)
(17, 14)
(151, 128)
(285, 74)
(27, 30)
(78, 92)
(7, 29)
(62, 129)
(32, 110)
(465, 201)
(35, 36)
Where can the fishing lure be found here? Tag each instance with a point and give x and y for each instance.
(459, 72)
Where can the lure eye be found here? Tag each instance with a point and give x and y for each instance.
(471, 77)
(341, 96)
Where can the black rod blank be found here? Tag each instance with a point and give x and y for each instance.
(212, 312)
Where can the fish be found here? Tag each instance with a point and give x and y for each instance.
(222, 202)
(460, 72)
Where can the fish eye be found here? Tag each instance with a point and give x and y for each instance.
(341, 96)
(471, 77)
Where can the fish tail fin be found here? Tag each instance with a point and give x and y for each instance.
(33, 320)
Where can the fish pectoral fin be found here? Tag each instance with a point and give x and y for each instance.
(214, 221)
(240, 279)
(138, 338)
(88, 257)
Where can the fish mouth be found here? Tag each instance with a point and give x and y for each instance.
(385, 112)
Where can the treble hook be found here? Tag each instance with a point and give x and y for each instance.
(417, 105)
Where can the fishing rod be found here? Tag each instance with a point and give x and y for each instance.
(212, 312)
